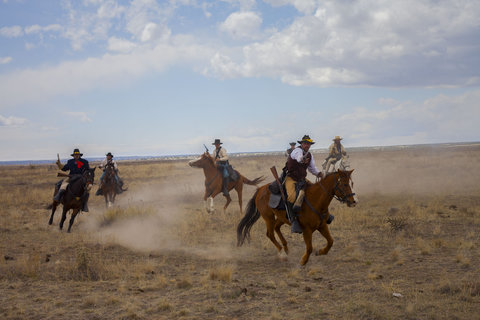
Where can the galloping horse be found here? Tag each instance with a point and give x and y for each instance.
(77, 189)
(312, 216)
(109, 186)
(213, 181)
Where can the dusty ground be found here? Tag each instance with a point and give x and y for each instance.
(409, 250)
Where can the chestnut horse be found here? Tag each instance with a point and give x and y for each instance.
(73, 198)
(213, 181)
(312, 216)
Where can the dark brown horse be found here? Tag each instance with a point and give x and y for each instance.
(74, 196)
(213, 181)
(312, 216)
(109, 185)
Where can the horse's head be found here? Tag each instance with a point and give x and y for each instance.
(109, 169)
(89, 177)
(202, 162)
(343, 188)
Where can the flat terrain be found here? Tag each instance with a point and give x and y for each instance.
(409, 250)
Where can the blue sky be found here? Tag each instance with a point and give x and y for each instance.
(148, 77)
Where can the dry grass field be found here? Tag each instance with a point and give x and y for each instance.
(409, 250)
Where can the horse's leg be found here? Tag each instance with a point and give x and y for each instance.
(105, 195)
(326, 233)
(64, 216)
(278, 225)
(307, 237)
(239, 189)
(229, 199)
(72, 218)
(54, 208)
(270, 223)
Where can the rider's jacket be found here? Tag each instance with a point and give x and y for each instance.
(299, 162)
(106, 161)
(220, 154)
(336, 152)
(76, 166)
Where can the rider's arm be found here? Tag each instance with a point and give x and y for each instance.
(313, 168)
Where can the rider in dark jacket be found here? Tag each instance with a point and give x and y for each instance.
(77, 165)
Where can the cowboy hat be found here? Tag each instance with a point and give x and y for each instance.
(217, 141)
(306, 138)
(109, 154)
(75, 152)
(337, 138)
(293, 143)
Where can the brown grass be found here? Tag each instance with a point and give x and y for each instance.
(158, 255)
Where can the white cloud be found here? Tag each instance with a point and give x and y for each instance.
(438, 119)
(368, 43)
(5, 60)
(74, 77)
(35, 29)
(80, 116)
(11, 32)
(242, 25)
(120, 45)
(12, 121)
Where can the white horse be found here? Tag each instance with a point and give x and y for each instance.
(342, 164)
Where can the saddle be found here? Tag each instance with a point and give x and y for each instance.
(276, 201)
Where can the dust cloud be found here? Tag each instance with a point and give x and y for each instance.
(172, 209)
(427, 171)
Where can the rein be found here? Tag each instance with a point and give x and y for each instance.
(320, 215)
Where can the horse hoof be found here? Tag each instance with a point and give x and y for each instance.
(282, 256)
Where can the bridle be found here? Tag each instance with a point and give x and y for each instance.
(344, 196)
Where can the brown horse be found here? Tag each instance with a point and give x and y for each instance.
(109, 186)
(213, 181)
(312, 216)
(76, 193)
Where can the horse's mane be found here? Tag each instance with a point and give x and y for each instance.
(210, 158)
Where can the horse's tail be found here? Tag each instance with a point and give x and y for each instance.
(253, 182)
(251, 216)
(50, 206)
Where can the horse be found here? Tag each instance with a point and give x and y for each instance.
(213, 182)
(73, 198)
(109, 186)
(313, 214)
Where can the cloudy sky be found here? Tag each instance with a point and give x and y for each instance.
(147, 77)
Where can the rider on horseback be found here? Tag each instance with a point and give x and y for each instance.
(108, 161)
(77, 165)
(221, 159)
(299, 161)
(335, 153)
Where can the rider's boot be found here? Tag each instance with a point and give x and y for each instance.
(225, 186)
(85, 203)
(99, 190)
(58, 197)
(296, 227)
(330, 218)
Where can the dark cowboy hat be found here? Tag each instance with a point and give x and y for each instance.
(76, 151)
(217, 141)
(109, 154)
(293, 143)
(306, 138)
